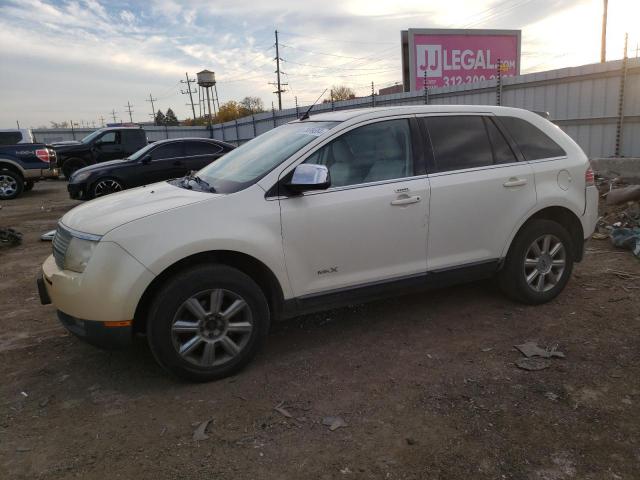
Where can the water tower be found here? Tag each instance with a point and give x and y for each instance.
(207, 79)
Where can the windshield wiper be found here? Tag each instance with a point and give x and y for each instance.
(192, 177)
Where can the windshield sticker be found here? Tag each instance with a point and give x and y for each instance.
(315, 131)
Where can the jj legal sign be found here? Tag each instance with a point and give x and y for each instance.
(453, 57)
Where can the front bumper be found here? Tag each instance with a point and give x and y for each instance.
(77, 191)
(109, 289)
(110, 335)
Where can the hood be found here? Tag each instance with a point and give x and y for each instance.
(99, 166)
(103, 214)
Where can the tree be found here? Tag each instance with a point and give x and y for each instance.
(171, 119)
(228, 111)
(160, 118)
(64, 124)
(342, 92)
(251, 105)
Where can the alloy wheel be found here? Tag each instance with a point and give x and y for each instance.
(212, 327)
(544, 263)
(8, 186)
(105, 187)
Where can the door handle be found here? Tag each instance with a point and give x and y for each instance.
(515, 182)
(406, 200)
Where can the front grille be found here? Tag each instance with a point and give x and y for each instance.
(61, 241)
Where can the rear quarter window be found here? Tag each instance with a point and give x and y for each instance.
(10, 138)
(533, 142)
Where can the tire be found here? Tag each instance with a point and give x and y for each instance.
(176, 323)
(105, 186)
(28, 185)
(71, 165)
(537, 276)
(11, 184)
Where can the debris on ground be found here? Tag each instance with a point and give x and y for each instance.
(48, 236)
(533, 363)
(628, 238)
(623, 195)
(10, 237)
(334, 423)
(531, 349)
(200, 433)
(282, 411)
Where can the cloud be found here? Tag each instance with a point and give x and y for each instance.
(98, 54)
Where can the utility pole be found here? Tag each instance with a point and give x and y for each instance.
(189, 81)
(101, 121)
(279, 84)
(603, 46)
(373, 96)
(113, 115)
(426, 89)
(18, 124)
(153, 110)
(128, 105)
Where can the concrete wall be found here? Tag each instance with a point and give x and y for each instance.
(583, 101)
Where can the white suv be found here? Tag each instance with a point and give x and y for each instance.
(336, 208)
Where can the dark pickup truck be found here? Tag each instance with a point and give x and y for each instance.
(24, 164)
(100, 146)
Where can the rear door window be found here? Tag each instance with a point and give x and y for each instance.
(169, 150)
(201, 148)
(459, 142)
(533, 143)
(502, 152)
(10, 138)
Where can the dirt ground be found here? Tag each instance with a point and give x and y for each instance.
(427, 384)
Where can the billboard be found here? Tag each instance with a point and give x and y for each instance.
(454, 57)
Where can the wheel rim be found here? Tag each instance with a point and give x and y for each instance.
(212, 327)
(544, 263)
(105, 187)
(8, 186)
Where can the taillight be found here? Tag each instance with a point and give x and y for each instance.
(43, 154)
(589, 178)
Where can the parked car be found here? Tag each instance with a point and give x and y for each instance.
(23, 164)
(14, 136)
(156, 162)
(338, 208)
(100, 146)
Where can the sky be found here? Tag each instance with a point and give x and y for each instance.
(63, 60)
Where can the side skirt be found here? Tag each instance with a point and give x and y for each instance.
(389, 288)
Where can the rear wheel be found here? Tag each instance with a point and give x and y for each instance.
(105, 186)
(207, 322)
(539, 263)
(11, 184)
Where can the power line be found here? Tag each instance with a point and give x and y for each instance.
(335, 40)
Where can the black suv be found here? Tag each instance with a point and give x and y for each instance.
(100, 146)
(156, 162)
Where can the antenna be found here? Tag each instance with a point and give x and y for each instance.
(306, 114)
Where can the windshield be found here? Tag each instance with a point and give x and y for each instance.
(91, 136)
(247, 164)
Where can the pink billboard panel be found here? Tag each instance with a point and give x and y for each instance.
(454, 59)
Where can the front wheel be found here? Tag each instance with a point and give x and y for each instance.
(539, 263)
(105, 186)
(71, 165)
(207, 322)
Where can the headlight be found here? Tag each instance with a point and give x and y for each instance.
(79, 177)
(78, 254)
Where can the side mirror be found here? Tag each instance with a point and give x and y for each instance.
(146, 159)
(309, 177)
